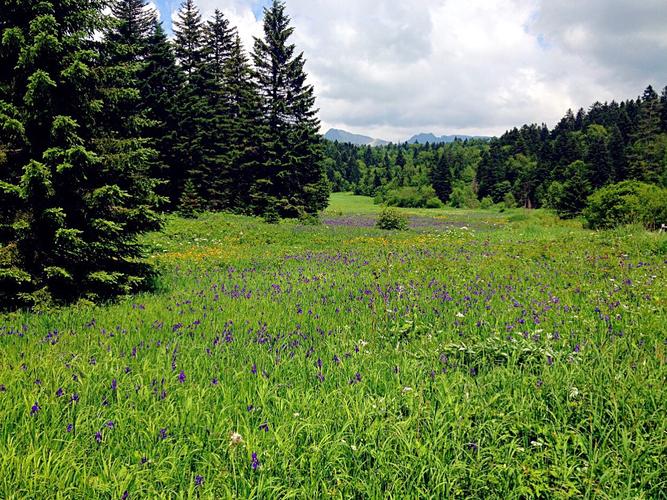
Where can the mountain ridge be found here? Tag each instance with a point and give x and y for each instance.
(340, 135)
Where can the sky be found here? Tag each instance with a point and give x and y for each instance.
(393, 68)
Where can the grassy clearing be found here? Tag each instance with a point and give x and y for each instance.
(494, 355)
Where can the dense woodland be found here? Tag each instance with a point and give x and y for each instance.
(531, 166)
(105, 123)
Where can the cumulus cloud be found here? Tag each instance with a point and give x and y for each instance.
(392, 68)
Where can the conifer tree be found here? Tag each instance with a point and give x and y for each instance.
(646, 157)
(71, 212)
(291, 178)
(161, 84)
(441, 179)
(192, 108)
(240, 127)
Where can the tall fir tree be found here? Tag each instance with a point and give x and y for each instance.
(75, 210)
(240, 125)
(161, 85)
(193, 111)
(646, 156)
(291, 179)
(441, 179)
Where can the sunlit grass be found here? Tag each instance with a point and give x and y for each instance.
(507, 355)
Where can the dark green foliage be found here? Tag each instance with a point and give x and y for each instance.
(73, 202)
(190, 203)
(441, 178)
(391, 219)
(413, 197)
(291, 176)
(569, 196)
(161, 84)
(629, 202)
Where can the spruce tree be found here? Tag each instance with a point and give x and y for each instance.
(291, 179)
(71, 212)
(161, 84)
(237, 163)
(193, 112)
(441, 179)
(646, 156)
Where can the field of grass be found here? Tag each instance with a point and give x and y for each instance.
(478, 355)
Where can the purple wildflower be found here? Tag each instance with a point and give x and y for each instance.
(264, 427)
(98, 437)
(214, 381)
(114, 385)
(59, 392)
(35, 408)
(320, 377)
(255, 462)
(75, 397)
(3, 388)
(181, 377)
(110, 424)
(199, 480)
(125, 496)
(70, 427)
(163, 434)
(253, 370)
(250, 408)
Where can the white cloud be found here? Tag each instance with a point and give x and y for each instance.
(392, 68)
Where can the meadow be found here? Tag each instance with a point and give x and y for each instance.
(480, 354)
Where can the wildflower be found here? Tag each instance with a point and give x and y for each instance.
(407, 389)
(199, 480)
(75, 398)
(59, 392)
(460, 315)
(163, 434)
(35, 409)
(214, 381)
(264, 427)
(70, 428)
(250, 408)
(574, 392)
(235, 439)
(144, 460)
(125, 496)
(3, 388)
(255, 462)
(98, 437)
(539, 383)
(320, 377)
(253, 370)
(110, 424)
(114, 385)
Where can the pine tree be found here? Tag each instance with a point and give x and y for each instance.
(441, 179)
(646, 155)
(291, 178)
(218, 39)
(240, 127)
(193, 112)
(71, 212)
(663, 111)
(161, 84)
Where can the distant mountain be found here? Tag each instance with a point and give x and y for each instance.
(445, 139)
(356, 139)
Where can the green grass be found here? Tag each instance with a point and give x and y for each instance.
(499, 355)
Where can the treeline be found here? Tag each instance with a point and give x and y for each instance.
(105, 122)
(408, 175)
(531, 166)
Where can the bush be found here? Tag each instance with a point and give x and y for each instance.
(487, 202)
(391, 220)
(629, 202)
(463, 196)
(434, 203)
(411, 197)
(509, 200)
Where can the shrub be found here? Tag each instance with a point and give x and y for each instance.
(509, 200)
(463, 196)
(411, 197)
(391, 220)
(629, 202)
(434, 203)
(487, 202)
